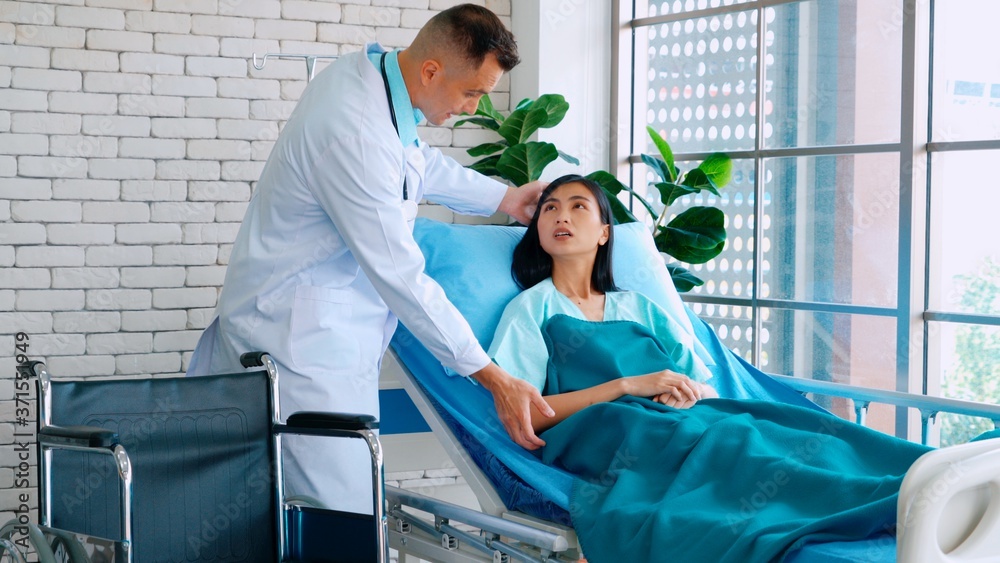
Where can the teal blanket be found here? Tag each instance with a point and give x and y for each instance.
(727, 480)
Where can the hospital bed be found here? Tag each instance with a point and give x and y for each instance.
(949, 507)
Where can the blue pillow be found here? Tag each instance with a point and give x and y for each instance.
(472, 265)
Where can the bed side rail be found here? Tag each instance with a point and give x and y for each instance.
(929, 407)
(456, 529)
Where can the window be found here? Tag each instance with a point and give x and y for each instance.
(860, 247)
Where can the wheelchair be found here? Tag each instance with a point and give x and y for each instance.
(184, 469)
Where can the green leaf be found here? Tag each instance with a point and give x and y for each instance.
(683, 279)
(695, 236)
(569, 158)
(698, 180)
(670, 192)
(486, 148)
(487, 166)
(607, 181)
(659, 167)
(523, 103)
(613, 187)
(718, 167)
(524, 162)
(486, 109)
(620, 212)
(487, 122)
(547, 111)
(665, 152)
(554, 107)
(511, 127)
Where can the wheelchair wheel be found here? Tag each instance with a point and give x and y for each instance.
(67, 548)
(36, 539)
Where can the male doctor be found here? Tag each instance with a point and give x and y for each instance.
(325, 259)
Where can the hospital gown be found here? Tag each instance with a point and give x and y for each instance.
(518, 345)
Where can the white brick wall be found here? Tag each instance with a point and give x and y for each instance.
(132, 133)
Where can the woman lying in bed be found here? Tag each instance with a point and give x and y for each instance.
(665, 469)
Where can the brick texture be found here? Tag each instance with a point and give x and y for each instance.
(132, 134)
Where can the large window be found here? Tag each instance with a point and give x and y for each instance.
(861, 244)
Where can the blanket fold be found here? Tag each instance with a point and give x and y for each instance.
(726, 480)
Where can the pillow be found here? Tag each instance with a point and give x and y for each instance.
(472, 265)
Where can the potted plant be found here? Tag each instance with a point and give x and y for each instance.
(514, 158)
(695, 236)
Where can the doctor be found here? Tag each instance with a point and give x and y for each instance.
(325, 259)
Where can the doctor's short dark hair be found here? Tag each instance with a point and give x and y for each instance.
(532, 264)
(476, 32)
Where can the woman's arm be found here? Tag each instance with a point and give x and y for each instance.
(665, 386)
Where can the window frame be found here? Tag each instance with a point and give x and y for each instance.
(915, 149)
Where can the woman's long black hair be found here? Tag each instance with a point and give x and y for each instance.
(532, 264)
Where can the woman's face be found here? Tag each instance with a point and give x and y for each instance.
(569, 222)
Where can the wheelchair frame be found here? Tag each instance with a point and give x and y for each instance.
(106, 442)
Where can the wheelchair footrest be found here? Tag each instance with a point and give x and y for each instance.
(317, 534)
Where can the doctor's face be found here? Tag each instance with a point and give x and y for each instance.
(457, 87)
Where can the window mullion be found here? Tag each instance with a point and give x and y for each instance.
(911, 372)
(758, 203)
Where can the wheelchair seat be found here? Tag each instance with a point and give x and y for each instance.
(186, 469)
(201, 453)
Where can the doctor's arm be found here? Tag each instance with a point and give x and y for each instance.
(466, 191)
(357, 183)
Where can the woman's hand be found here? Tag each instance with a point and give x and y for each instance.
(706, 392)
(669, 388)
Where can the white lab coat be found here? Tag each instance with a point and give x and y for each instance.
(325, 262)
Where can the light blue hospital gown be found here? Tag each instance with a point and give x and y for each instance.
(519, 347)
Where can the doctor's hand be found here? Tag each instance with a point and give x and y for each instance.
(514, 398)
(520, 203)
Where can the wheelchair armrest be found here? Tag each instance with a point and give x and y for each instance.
(77, 437)
(332, 421)
(27, 369)
(252, 359)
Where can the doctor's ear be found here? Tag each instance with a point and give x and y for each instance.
(429, 70)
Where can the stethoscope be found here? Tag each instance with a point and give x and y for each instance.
(392, 114)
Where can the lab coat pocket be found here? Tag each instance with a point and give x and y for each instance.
(322, 339)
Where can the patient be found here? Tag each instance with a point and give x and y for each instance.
(666, 470)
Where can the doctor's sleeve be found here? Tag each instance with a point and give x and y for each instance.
(459, 188)
(358, 183)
